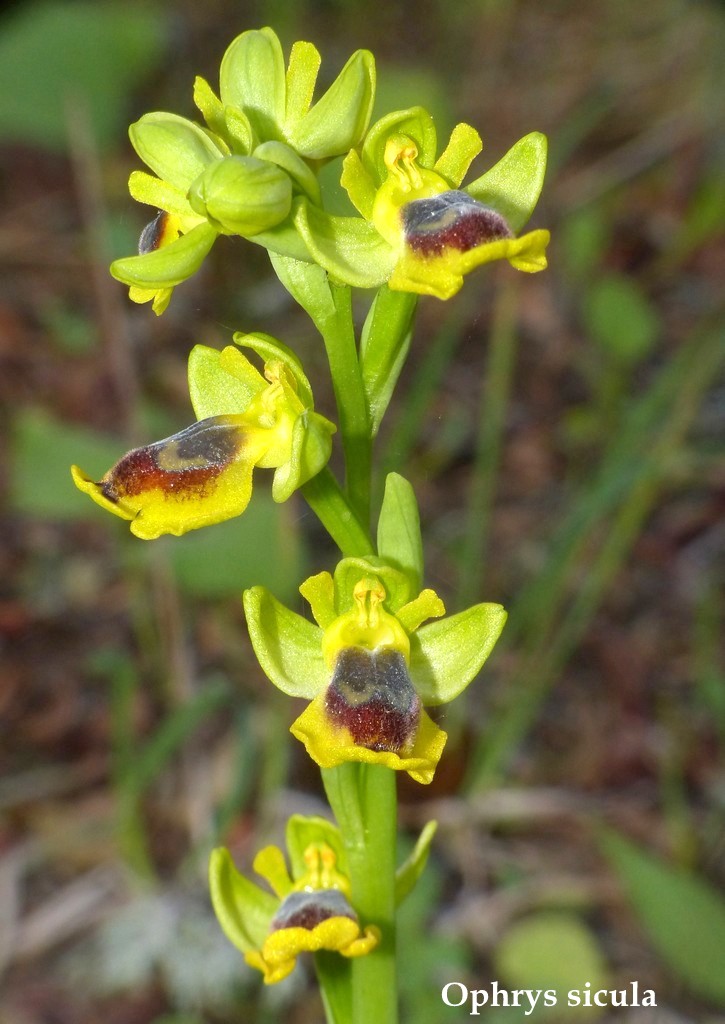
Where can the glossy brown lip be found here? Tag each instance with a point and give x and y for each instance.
(182, 465)
(371, 695)
(451, 220)
(308, 909)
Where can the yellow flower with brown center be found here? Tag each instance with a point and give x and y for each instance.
(307, 913)
(203, 474)
(371, 665)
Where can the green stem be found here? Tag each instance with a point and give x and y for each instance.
(363, 798)
(338, 333)
(324, 496)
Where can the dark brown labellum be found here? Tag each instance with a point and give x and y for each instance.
(158, 232)
(308, 909)
(451, 220)
(183, 464)
(372, 696)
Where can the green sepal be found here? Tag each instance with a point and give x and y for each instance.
(416, 123)
(399, 541)
(350, 571)
(175, 149)
(359, 184)
(288, 647)
(268, 348)
(241, 195)
(252, 78)
(303, 832)
(384, 346)
(348, 248)
(463, 147)
(338, 120)
(284, 240)
(310, 450)
(282, 155)
(221, 383)
(413, 866)
(319, 592)
(445, 656)
(243, 909)
(513, 185)
(304, 64)
(145, 188)
(169, 265)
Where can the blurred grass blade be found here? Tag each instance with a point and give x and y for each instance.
(629, 485)
(683, 915)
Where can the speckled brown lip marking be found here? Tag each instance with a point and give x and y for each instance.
(372, 696)
(451, 220)
(308, 909)
(156, 233)
(182, 465)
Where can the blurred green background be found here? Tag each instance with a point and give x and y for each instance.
(564, 434)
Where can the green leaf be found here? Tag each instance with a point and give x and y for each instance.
(243, 909)
(621, 319)
(288, 647)
(170, 265)
(513, 185)
(175, 149)
(414, 864)
(683, 915)
(552, 950)
(59, 61)
(42, 450)
(445, 656)
(399, 540)
(252, 78)
(221, 390)
(337, 122)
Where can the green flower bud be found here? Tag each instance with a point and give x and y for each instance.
(241, 195)
(174, 148)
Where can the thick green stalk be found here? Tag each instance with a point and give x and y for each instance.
(363, 798)
(338, 333)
